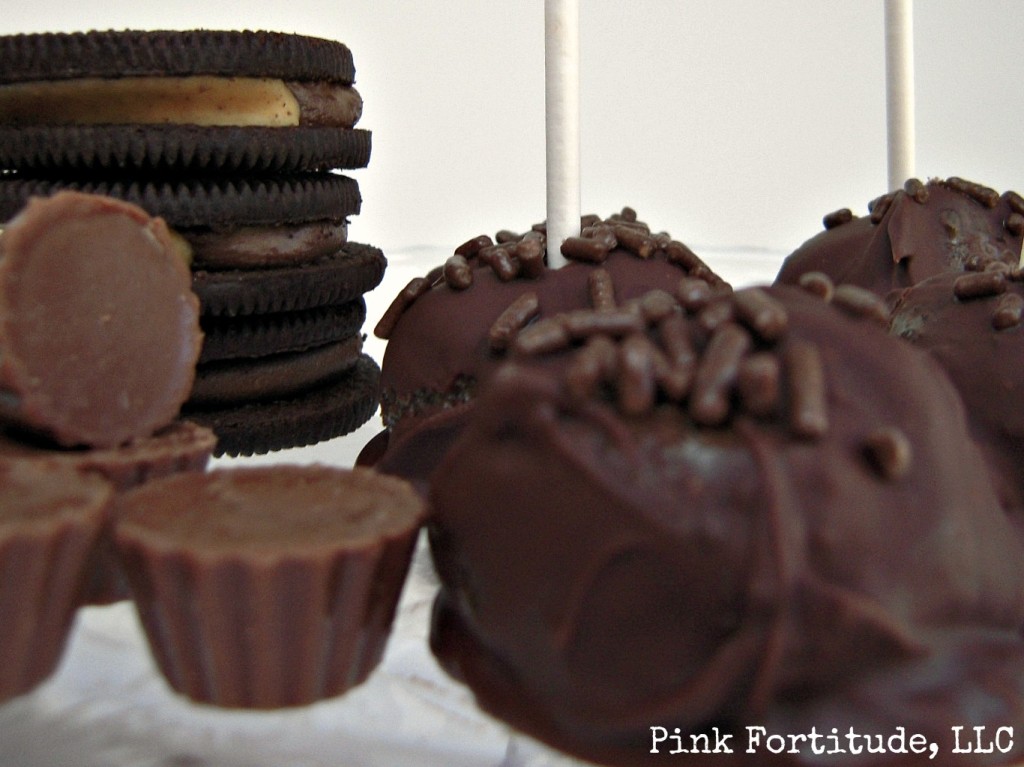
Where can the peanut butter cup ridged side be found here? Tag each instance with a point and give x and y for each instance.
(50, 520)
(267, 587)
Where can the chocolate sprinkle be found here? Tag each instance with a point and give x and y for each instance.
(837, 218)
(500, 259)
(471, 248)
(979, 285)
(889, 452)
(586, 249)
(694, 294)
(415, 288)
(584, 323)
(758, 383)
(635, 240)
(596, 362)
(861, 302)
(806, 378)
(761, 313)
(916, 190)
(1015, 224)
(978, 192)
(602, 291)
(513, 320)
(458, 274)
(530, 253)
(818, 284)
(542, 337)
(716, 374)
(637, 386)
(1009, 312)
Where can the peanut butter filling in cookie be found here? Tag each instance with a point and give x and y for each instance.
(198, 100)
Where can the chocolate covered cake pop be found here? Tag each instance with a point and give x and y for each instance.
(763, 516)
(971, 323)
(447, 331)
(912, 234)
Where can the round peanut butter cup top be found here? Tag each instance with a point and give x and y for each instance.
(37, 493)
(99, 328)
(269, 510)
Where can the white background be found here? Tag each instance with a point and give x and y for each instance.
(734, 122)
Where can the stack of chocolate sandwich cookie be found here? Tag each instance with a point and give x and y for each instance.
(235, 139)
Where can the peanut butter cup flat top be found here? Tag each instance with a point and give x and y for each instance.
(36, 492)
(269, 509)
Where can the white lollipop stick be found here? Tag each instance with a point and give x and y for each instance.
(562, 123)
(899, 76)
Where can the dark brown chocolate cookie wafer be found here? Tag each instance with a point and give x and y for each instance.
(82, 148)
(262, 334)
(278, 375)
(344, 276)
(315, 416)
(221, 202)
(113, 54)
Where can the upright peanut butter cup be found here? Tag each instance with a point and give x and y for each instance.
(268, 587)
(50, 519)
(99, 328)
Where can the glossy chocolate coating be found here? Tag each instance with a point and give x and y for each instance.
(912, 234)
(604, 573)
(439, 349)
(982, 354)
(99, 328)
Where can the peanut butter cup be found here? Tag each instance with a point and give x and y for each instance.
(182, 446)
(268, 587)
(50, 519)
(99, 328)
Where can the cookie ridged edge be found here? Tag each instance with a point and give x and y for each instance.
(213, 202)
(226, 338)
(356, 269)
(73, 149)
(119, 53)
(320, 414)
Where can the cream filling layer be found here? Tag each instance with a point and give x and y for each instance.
(197, 100)
(265, 246)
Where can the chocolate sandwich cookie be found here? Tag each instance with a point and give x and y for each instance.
(273, 376)
(228, 222)
(203, 100)
(338, 278)
(264, 334)
(320, 413)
